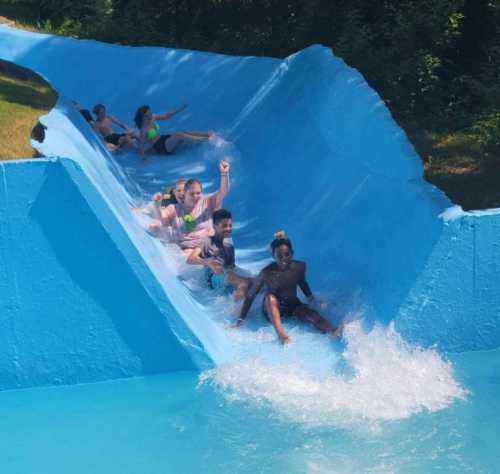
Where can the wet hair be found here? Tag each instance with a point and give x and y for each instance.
(191, 182)
(280, 239)
(87, 115)
(139, 115)
(180, 181)
(220, 214)
(97, 108)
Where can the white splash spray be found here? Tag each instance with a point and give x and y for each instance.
(388, 380)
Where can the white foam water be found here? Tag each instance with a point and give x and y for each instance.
(387, 379)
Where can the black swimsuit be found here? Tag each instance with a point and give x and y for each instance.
(113, 138)
(287, 306)
(159, 145)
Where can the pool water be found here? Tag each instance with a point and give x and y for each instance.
(188, 422)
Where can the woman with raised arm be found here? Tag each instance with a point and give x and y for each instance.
(191, 220)
(150, 137)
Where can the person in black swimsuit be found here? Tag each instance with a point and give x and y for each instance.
(280, 280)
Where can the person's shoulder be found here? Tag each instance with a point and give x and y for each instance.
(268, 268)
(299, 264)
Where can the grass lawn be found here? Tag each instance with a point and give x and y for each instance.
(460, 165)
(23, 100)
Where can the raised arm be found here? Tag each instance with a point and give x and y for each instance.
(118, 122)
(252, 293)
(168, 115)
(219, 196)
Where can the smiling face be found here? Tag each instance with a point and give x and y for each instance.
(179, 192)
(224, 228)
(192, 195)
(283, 256)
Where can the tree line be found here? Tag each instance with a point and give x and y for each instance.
(433, 61)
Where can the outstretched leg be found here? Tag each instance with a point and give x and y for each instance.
(174, 140)
(304, 313)
(273, 311)
(240, 284)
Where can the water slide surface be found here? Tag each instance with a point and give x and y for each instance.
(89, 295)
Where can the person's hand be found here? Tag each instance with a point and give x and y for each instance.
(239, 322)
(285, 339)
(224, 167)
(154, 227)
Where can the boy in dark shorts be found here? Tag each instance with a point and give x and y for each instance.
(104, 126)
(280, 280)
(218, 256)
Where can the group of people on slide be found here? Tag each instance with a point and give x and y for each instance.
(145, 136)
(201, 227)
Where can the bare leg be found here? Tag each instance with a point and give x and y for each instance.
(239, 283)
(273, 310)
(174, 140)
(304, 313)
(194, 133)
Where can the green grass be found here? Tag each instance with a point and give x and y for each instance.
(22, 102)
(465, 164)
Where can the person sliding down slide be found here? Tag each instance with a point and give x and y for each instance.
(150, 137)
(281, 279)
(217, 255)
(191, 220)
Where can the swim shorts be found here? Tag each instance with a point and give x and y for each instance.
(159, 145)
(287, 307)
(114, 138)
(216, 280)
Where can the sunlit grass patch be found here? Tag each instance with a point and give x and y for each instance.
(22, 102)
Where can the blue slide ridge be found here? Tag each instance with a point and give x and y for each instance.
(313, 151)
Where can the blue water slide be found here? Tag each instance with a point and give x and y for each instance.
(313, 150)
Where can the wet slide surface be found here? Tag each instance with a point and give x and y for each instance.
(314, 151)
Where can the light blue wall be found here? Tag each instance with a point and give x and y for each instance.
(314, 150)
(71, 307)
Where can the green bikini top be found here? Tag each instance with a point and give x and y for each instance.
(153, 131)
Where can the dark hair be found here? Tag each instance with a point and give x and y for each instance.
(221, 214)
(87, 115)
(139, 115)
(190, 183)
(97, 108)
(279, 241)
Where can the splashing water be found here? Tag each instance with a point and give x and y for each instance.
(388, 380)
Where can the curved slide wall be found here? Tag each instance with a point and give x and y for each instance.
(314, 150)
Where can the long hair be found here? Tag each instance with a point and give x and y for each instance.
(139, 115)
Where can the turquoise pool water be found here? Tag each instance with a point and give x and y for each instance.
(172, 424)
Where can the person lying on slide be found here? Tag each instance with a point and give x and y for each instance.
(103, 124)
(217, 256)
(150, 137)
(280, 280)
(191, 220)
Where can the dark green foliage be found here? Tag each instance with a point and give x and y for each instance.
(433, 61)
